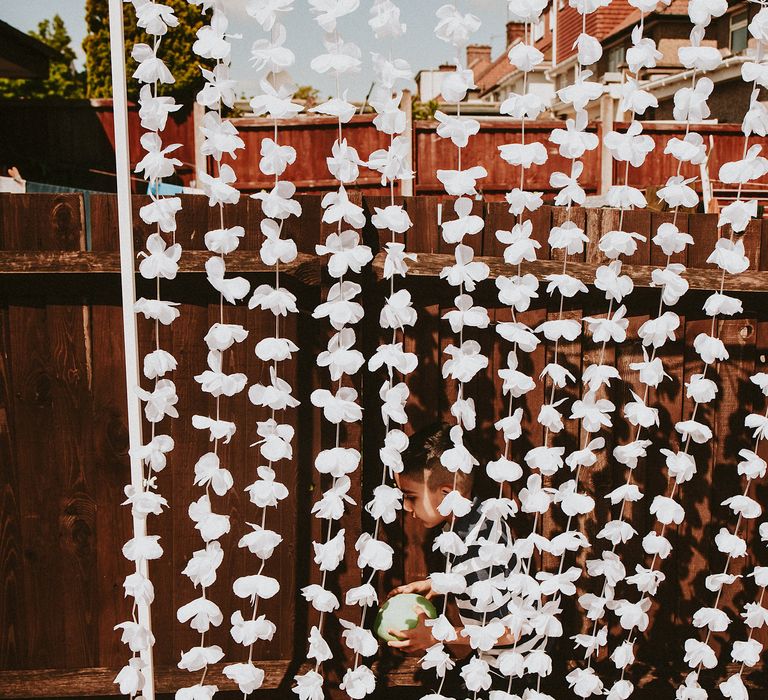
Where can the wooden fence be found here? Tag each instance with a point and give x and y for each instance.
(63, 435)
(72, 143)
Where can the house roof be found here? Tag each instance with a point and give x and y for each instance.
(498, 69)
(675, 8)
(23, 56)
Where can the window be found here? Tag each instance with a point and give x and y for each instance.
(538, 30)
(615, 58)
(738, 34)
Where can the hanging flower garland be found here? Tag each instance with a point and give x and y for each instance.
(654, 332)
(220, 138)
(270, 58)
(386, 95)
(466, 360)
(160, 262)
(530, 613)
(690, 105)
(730, 257)
(747, 653)
(346, 254)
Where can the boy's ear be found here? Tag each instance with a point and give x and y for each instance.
(446, 489)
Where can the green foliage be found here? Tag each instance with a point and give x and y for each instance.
(424, 110)
(63, 80)
(175, 49)
(307, 94)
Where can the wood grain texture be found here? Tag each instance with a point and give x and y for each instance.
(63, 438)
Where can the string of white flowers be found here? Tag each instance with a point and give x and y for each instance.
(161, 262)
(747, 653)
(572, 143)
(385, 97)
(346, 254)
(516, 292)
(732, 260)
(466, 360)
(269, 57)
(219, 138)
(655, 332)
(690, 103)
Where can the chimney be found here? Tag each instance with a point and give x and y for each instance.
(478, 56)
(515, 31)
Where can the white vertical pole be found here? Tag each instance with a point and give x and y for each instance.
(128, 286)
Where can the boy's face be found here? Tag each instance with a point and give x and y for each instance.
(422, 501)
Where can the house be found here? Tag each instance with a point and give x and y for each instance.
(23, 56)
(669, 26)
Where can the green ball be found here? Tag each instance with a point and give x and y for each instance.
(401, 612)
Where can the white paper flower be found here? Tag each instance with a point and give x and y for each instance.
(260, 541)
(656, 331)
(339, 307)
(730, 544)
(201, 613)
(197, 658)
(341, 57)
(588, 49)
(461, 182)
(465, 271)
(131, 678)
(331, 505)
(691, 103)
(523, 155)
(733, 688)
(519, 244)
(698, 653)
(520, 201)
(219, 189)
(201, 568)
(151, 69)
(713, 619)
(689, 149)
(465, 224)
(585, 682)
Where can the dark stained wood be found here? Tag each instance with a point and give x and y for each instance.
(61, 377)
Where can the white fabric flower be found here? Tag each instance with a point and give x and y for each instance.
(698, 653)
(691, 102)
(201, 568)
(733, 688)
(713, 619)
(519, 244)
(656, 331)
(151, 69)
(309, 686)
(219, 189)
(689, 149)
(523, 155)
(454, 27)
(465, 271)
(198, 658)
(461, 182)
(476, 674)
(631, 146)
(466, 223)
(456, 84)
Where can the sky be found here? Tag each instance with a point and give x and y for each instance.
(419, 46)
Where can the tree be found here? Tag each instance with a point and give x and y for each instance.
(175, 50)
(63, 80)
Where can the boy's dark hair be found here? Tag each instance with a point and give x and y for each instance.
(421, 459)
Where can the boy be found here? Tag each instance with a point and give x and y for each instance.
(425, 482)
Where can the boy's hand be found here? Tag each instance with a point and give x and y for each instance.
(416, 640)
(419, 587)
